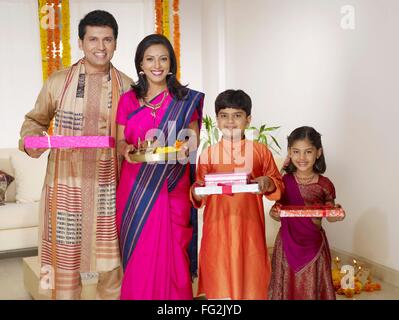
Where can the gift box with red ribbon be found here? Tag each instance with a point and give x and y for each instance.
(310, 211)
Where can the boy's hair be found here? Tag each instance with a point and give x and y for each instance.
(307, 133)
(98, 18)
(236, 99)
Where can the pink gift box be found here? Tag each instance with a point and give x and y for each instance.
(226, 178)
(68, 142)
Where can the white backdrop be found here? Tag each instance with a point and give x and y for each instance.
(302, 68)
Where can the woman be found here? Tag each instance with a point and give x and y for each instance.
(153, 206)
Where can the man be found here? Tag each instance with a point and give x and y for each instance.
(78, 197)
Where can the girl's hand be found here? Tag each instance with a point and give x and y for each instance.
(335, 219)
(275, 211)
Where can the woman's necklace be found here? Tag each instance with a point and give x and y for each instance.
(306, 180)
(156, 106)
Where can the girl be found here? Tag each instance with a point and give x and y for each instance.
(301, 260)
(152, 201)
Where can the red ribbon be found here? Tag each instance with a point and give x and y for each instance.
(226, 188)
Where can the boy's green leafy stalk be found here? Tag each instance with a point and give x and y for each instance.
(263, 135)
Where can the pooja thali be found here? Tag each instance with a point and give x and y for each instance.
(158, 154)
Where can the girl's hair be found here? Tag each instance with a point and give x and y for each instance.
(314, 138)
(176, 89)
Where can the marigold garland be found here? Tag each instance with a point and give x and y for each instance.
(43, 41)
(66, 45)
(162, 25)
(57, 36)
(158, 16)
(55, 41)
(176, 34)
(49, 51)
(165, 19)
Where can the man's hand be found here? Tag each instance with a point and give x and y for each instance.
(35, 153)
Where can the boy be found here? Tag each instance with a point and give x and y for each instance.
(233, 260)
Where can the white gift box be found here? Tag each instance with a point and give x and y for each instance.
(236, 188)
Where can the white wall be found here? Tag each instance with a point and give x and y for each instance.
(301, 68)
(21, 75)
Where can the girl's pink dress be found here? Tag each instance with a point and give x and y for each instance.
(301, 263)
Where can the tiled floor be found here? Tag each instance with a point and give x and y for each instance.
(12, 287)
(11, 280)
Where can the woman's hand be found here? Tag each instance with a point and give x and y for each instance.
(124, 149)
(183, 152)
(340, 218)
(275, 211)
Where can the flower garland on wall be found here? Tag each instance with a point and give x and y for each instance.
(55, 45)
(162, 25)
(176, 34)
(54, 24)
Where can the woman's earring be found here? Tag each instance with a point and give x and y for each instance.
(170, 73)
(141, 73)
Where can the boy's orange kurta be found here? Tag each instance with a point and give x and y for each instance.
(234, 262)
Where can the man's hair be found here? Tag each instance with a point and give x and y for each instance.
(98, 18)
(236, 99)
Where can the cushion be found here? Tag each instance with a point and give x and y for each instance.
(29, 176)
(5, 180)
(5, 165)
(19, 215)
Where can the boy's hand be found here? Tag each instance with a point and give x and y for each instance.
(265, 184)
(275, 211)
(335, 219)
(197, 197)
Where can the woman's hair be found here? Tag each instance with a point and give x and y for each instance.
(98, 18)
(176, 89)
(236, 99)
(310, 134)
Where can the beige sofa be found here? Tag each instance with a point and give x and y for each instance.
(19, 219)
